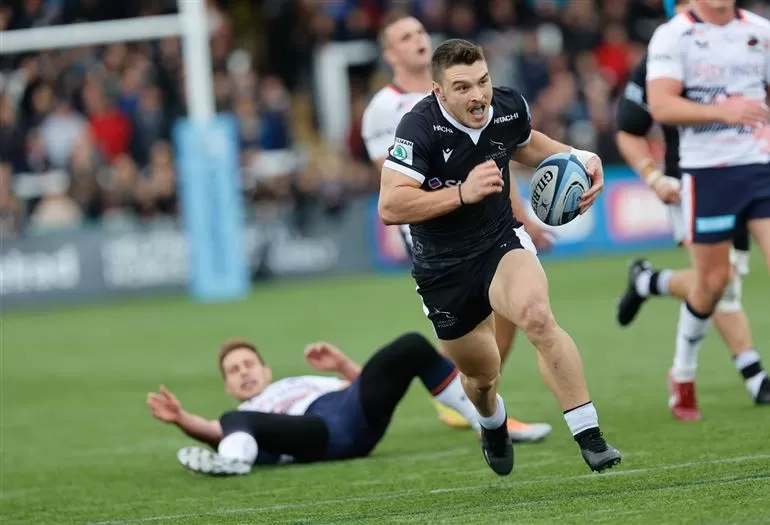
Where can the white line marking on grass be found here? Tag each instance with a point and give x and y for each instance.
(614, 473)
(402, 493)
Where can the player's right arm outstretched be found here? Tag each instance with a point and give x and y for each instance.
(166, 407)
(402, 199)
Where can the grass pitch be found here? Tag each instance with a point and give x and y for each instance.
(79, 445)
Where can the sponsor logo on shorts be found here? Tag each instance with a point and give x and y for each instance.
(718, 224)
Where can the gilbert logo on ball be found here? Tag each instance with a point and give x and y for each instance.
(557, 187)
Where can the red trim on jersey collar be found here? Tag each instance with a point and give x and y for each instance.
(695, 19)
(396, 88)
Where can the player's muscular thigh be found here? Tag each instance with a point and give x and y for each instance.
(475, 354)
(519, 292)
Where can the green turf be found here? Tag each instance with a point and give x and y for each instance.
(79, 446)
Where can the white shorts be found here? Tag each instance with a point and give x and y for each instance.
(678, 223)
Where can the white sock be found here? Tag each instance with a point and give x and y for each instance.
(745, 362)
(664, 278)
(690, 332)
(454, 397)
(240, 446)
(582, 418)
(642, 283)
(497, 419)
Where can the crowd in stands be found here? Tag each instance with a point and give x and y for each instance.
(86, 133)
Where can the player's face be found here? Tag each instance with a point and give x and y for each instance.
(719, 5)
(466, 92)
(245, 376)
(408, 45)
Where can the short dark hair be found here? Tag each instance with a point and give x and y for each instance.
(452, 53)
(682, 2)
(235, 344)
(391, 18)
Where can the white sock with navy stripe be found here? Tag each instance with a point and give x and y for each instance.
(690, 333)
(453, 396)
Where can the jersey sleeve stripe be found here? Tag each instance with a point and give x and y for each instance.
(525, 141)
(409, 172)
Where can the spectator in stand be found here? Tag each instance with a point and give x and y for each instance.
(110, 128)
(105, 113)
(11, 213)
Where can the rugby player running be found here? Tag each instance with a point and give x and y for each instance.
(447, 176)
(406, 47)
(634, 122)
(707, 73)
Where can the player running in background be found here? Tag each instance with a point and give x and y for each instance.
(406, 47)
(707, 73)
(308, 418)
(447, 175)
(633, 123)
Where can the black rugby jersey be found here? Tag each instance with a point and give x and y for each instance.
(436, 150)
(634, 117)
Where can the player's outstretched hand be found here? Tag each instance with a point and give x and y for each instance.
(483, 180)
(324, 356)
(746, 111)
(164, 405)
(596, 174)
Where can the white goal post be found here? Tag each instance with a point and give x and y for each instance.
(190, 24)
(206, 143)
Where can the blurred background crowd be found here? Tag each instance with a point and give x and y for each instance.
(86, 133)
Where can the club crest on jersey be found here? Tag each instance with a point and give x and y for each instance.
(500, 150)
(434, 183)
(753, 44)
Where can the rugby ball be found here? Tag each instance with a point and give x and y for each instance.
(556, 188)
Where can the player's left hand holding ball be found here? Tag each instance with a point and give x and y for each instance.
(595, 172)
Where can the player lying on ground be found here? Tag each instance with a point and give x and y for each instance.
(447, 175)
(725, 162)
(406, 48)
(309, 418)
(634, 122)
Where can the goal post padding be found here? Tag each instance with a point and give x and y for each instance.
(205, 144)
